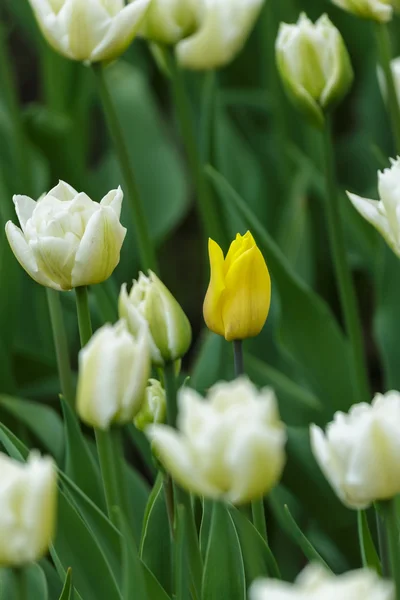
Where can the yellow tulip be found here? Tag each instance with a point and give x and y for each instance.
(237, 302)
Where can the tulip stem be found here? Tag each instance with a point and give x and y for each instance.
(109, 473)
(84, 320)
(385, 56)
(389, 512)
(343, 274)
(257, 506)
(61, 345)
(171, 393)
(147, 253)
(20, 584)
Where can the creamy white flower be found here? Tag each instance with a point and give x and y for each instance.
(89, 30)
(384, 214)
(154, 407)
(66, 240)
(314, 65)
(150, 302)
(28, 500)
(377, 10)
(207, 33)
(359, 453)
(230, 446)
(316, 583)
(395, 66)
(113, 371)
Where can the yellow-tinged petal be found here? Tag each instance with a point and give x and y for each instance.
(238, 247)
(212, 307)
(247, 296)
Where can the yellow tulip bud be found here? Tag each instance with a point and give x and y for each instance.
(237, 302)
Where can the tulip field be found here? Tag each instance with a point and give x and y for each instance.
(200, 299)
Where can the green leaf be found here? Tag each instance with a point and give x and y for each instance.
(14, 447)
(34, 581)
(134, 581)
(42, 421)
(66, 593)
(308, 329)
(224, 573)
(213, 362)
(138, 495)
(154, 589)
(369, 555)
(182, 567)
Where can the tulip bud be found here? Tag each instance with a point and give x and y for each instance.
(359, 453)
(89, 30)
(384, 214)
(150, 302)
(237, 302)
(230, 447)
(113, 371)
(316, 583)
(28, 500)
(154, 408)
(314, 66)
(395, 66)
(376, 10)
(66, 240)
(207, 33)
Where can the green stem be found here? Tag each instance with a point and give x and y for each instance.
(105, 450)
(383, 545)
(61, 345)
(343, 274)
(205, 202)
(20, 584)
(385, 56)
(171, 392)
(389, 511)
(84, 320)
(146, 250)
(238, 357)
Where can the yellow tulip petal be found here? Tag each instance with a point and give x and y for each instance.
(212, 307)
(247, 296)
(239, 246)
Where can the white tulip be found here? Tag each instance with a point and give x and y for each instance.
(89, 30)
(384, 214)
(154, 408)
(28, 500)
(230, 446)
(314, 65)
(376, 10)
(359, 453)
(150, 302)
(316, 583)
(113, 371)
(66, 240)
(207, 33)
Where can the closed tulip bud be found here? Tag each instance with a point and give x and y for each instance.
(66, 240)
(314, 65)
(229, 447)
(316, 583)
(28, 500)
(154, 408)
(237, 302)
(89, 30)
(150, 302)
(359, 453)
(384, 214)
(376, 10)
(113, 371)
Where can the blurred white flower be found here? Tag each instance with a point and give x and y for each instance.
(395, 65)
(359, 453)
(384, 214)
(28, 500)
(89, 30)
(229, 446)
(377, 10)
(66, 240)
(316, 583)
(113, 371)
(314, 65)
(154, 407)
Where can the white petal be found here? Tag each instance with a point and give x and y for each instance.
(25, 256)
(374, 212)
(55, 257)
(114, 200)
(63, 191)
(88, 24)
(24, 207)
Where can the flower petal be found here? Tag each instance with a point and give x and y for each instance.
(24, 207)
(88, 24)
(63, 191)
(212, 308)
(114, 200)
(374, 212)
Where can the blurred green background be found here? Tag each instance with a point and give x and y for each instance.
(272, 159)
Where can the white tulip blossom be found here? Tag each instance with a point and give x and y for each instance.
(28, 500)
(89, 30)
(113, 371)
(314, 65)
(67, 240)
(207, 33)
(150, 302)
(376, 10)
(154, 408)
(384, 214)
(229, 446)
(316, 583)
(359, 453)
